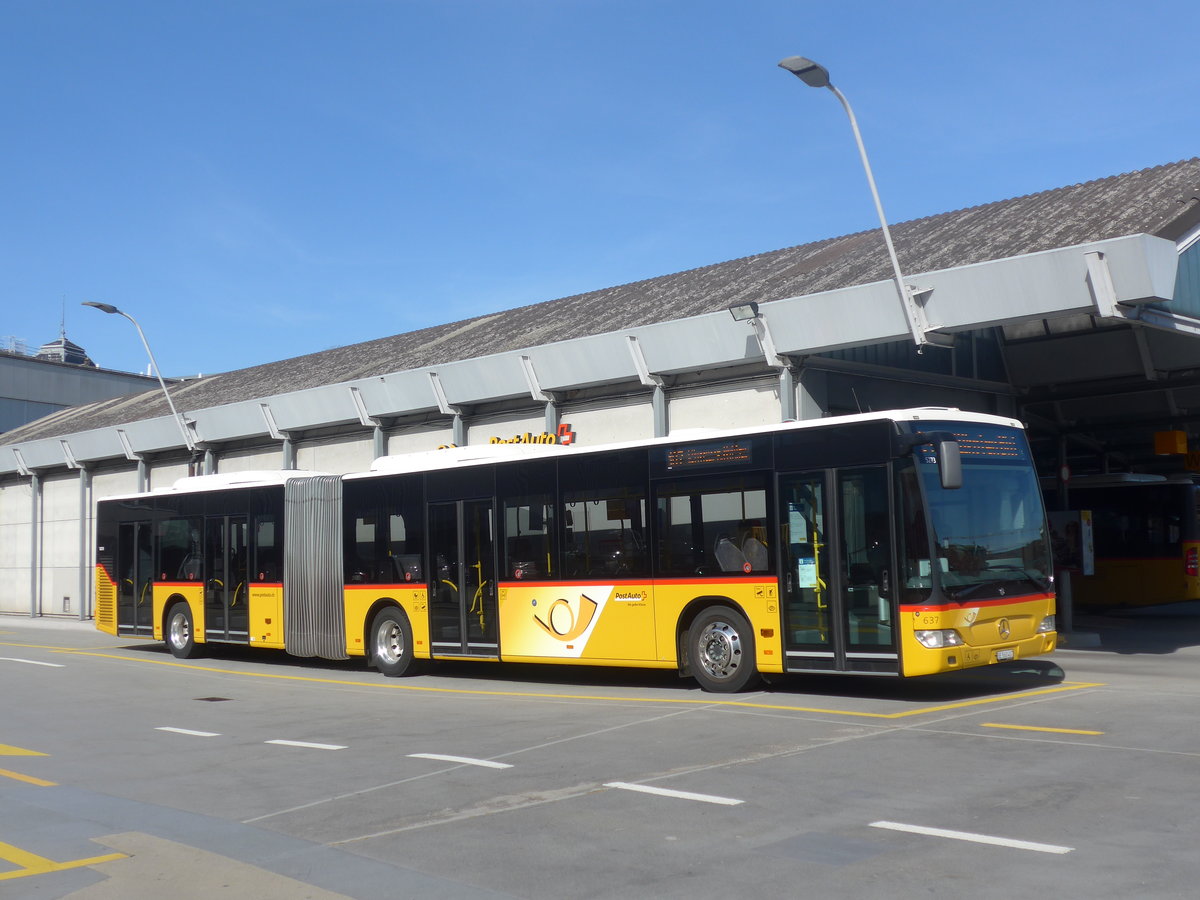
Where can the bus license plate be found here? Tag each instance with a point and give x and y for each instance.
(1005, 655)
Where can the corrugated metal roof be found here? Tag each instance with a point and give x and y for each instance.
(1163, 200)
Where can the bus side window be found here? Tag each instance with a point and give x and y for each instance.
(404, 551)
(266, 550)
(527, 521)
(179, 557)
(712, 525)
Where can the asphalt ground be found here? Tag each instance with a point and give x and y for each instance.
(125, 773)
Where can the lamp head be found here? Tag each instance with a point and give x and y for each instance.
(811, 73)
(103, 307)
(744, 312)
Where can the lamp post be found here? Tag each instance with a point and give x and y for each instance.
(112, 310)
(815, 75)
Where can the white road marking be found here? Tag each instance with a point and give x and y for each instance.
(679, 795)
(188, 731)
(32, 662)
(465, 760)
(976, 838)
(310, 746)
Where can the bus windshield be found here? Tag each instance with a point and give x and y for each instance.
(989, 535)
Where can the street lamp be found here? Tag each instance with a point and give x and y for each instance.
(112, 310)
(815, 75)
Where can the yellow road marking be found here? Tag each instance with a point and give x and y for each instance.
(387, 684)
(1036, 728)
(32, 864)
(6, 750)
(29, 779)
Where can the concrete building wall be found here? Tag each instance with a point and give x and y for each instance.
(416, 438)
(61, 545)
(16, 544)
(267, 457)
(725, 406)
(505, 426)
(615, 419)
(337, 455)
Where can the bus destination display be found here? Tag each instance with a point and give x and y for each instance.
(725, 453)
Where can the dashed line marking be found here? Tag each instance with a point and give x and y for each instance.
(678, 795)
(974, 838)
(307, 745)
(1039, 728)
(188, 731)
(32, 662)
(465, 760)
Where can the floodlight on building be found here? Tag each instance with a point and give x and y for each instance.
(183, 429)
(815, 75)
(744, 312)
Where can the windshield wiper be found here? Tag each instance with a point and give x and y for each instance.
(968, 589)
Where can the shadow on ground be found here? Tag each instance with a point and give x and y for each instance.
(1154, 629)
(994, 680)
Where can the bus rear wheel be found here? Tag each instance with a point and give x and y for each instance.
(181, 634)
(721, 651)
(392, 643)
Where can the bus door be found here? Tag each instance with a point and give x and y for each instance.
(226, 591)
(837, 578)
(462, 591)
(135, 567)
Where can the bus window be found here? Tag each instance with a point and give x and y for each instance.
(266, 550)
(404, 547)
(604, 517)
(527, 501)
(712, 526)
(912, 540)
(361, 562)
(179, 555)
(382, 532)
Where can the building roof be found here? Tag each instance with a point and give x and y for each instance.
(1162, 201)
(64, 350)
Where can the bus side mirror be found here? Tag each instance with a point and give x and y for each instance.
(949, 463)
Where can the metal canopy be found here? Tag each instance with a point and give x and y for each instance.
(1088, 288)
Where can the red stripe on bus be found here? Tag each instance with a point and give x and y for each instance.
(967, 604)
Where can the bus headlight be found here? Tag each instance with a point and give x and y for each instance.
(1047, 625)
(934, 640)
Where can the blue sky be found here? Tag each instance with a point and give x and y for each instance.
(259, 179)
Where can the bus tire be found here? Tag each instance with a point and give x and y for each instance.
(392, 643)
(721, 651)
(181, 632)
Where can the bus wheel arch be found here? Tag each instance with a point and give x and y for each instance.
(718, 646)
(179, 629)
(389, 641)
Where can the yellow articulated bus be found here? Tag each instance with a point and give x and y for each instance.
(898, 543)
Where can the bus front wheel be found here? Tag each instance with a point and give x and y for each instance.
(181, 634)
(721, 651)
(392, 643)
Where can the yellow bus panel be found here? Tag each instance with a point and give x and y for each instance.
(266, 615)
(361, 600)
(592, 622)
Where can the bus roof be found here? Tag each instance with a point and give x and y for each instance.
(454, 457)
(224, 481)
